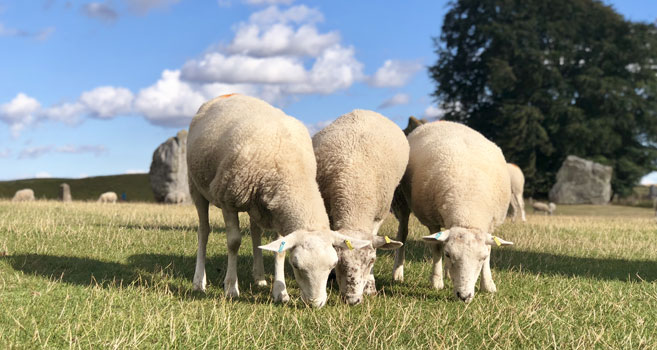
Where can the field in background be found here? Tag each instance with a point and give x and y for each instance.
(137, 187)
(86, 275)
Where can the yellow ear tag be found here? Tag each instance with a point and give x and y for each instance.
(497, 241)
(387, 239)
(348, 243)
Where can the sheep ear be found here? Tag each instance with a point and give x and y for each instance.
(438, 237)
(346, 242)
(282, 244)
(494, 240)
(385, 243)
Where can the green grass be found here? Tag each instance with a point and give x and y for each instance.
(86, 275)
(137, 187)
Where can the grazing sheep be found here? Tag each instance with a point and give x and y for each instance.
(517, 187)
(108, 197)
(547, 209)
(361, 157)
(244, 155)
(24, 195)
(455, 179)
(176, 197)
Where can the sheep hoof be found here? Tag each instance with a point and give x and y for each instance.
(437, 282)
(398, 274)
(281, 297)
(489, 288)
(231, 290)
(261, 283)
(199, 286)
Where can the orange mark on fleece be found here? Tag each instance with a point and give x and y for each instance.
(228, 95)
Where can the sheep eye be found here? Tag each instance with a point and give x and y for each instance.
(294, 264)
(447, 255)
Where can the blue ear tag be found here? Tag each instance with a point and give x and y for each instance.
(280, 249)
(438, 234)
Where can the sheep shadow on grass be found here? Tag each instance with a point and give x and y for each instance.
(154, 272)
(543, 263)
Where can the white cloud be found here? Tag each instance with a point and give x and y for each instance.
(38, 151)
(40, 35)
(144, 6)
(107, 101)
(172, 102)
(335, 69)
(397, 99)
(295, 14)
(135, 171)
(69, 113)
(394, 73)
(281, 39)
(268, 2)
(19, 112)
(42, 175)
(101, 11)
(433, 112)
(215, 67)
(318, 126)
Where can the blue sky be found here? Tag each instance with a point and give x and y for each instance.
(93, 87)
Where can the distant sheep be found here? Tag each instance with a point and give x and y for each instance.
(108, 197)
(517, 188)
(243, 155)
(24, 195)
(456, 179)
(361, 157)
(547, 209)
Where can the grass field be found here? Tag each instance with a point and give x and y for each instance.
(90, 276)
(137, 187)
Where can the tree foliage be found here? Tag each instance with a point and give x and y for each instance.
(546, 79)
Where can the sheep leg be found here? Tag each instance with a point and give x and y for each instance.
(514, 207)
(233, 241)
(279, 292)
(521, 204)
(202, 206)
(437, 271)
(258, 265)
(402, 214)
(370, 285)
(487, 284)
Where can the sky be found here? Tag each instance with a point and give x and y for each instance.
(93, 87)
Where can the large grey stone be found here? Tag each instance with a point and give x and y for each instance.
(581, 181)
(65, 193)
(168, 172)
(653, 191)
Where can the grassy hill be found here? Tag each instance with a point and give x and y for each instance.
(137, 187)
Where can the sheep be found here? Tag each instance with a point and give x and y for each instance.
(24, 195)
(517, 187)
(361, 157)
(547, 209)
(108, 197)
(176, 197)
(456, 179)
(244, 155)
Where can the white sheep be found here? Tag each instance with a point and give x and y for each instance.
(244, 155)
(456, 179)
(517, 187)
(24, 195)
(108, 197)
(546, 209)
(361, 157)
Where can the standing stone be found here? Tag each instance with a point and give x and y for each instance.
(581, 181)
(168, 172)
(65, 193)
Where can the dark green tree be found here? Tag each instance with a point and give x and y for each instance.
(546, 79)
